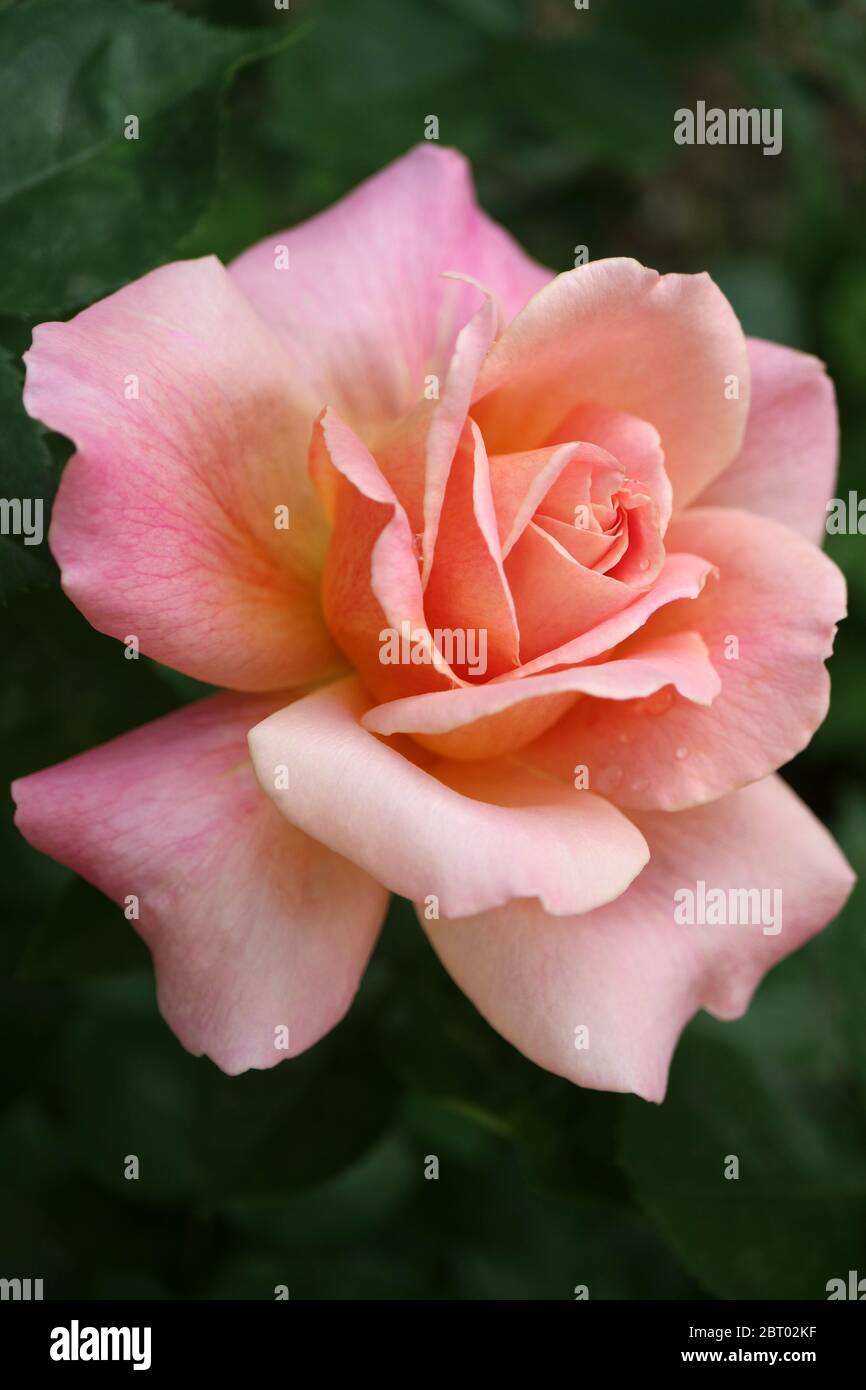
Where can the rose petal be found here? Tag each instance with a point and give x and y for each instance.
(520, 483)
(628, 972)
(634, 443)
(362, 307)
(416, 455)
(613, 333)
(769, 624)
(786, 468)
(681, 661)
(252, 925)
(468, 591)
(164, 524)
(371, 583)
(597, 550)
(681, 577)
(557, 598)
(474, 836)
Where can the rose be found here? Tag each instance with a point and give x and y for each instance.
(390, 420)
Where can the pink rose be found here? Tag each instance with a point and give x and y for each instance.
(514, 579)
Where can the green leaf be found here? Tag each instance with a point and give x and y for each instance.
(304, 1122)
(792, 1219)
(130, 1088)
(441, 1046)
(83, 208)
(346, 1208)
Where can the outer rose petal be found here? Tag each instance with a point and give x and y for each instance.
(362, 307)
(786, 468)
(613, 333)
(164, 524)
(251, 924)
(475, 835)
(780, 599)
(628, 972)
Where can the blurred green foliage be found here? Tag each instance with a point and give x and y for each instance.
(312, 1175)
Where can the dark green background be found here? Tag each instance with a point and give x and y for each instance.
(312, 1175)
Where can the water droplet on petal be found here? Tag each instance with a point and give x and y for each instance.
(624, 737)
(640, 784)
(644, 565)
(660, 701)
(682, 753)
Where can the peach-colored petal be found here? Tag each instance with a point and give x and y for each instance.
(556, 597)
(415, 453)
(473, 835)
(191, 431)
(629, 973)
(681, 661)
(371, 583)
(634, 443)
(468, 590)
(769, 623)
(521, 482)
(597, 550)
(253, 927)
(681, 577)
(786, 468)
(362, 306)
(613, 333)
(640, 563)
(448, 421)
(499, 734)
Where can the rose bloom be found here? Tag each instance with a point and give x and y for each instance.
(390, 420)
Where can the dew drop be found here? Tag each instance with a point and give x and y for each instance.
(640, 784)
(644, 565)
(682, 753)
(660, 702)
